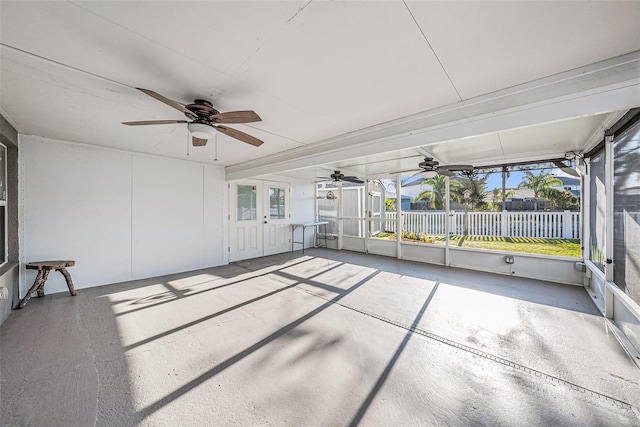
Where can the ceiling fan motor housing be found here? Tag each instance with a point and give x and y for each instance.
(202, 109)
(429, 163)
(337, 176)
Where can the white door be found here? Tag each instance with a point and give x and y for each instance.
(258, 219)
(277, 232)
(245, 220)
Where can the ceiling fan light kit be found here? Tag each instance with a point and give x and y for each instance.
(200, 130)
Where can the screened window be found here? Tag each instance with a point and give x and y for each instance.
(626, 207)
(276, 203)
(246, 203)
(597, 210)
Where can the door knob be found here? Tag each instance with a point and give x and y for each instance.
(265, 222)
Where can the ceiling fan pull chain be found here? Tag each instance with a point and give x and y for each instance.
(216, 147)
(187, 142)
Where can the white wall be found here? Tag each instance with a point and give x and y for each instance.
(303, 207)
(119, 215)
(532, 266)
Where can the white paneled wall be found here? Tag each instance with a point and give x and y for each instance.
(120, 215)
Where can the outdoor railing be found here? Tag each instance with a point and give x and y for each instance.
(547, 225)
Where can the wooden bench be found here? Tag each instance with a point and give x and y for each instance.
(44, 267)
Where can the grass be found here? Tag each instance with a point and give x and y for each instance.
(532, 245)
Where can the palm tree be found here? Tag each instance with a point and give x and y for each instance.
(476, 186)
(538, 184)
(561, 199)
(496, 194)
(389, 205)
(437, 193)
(424, 195)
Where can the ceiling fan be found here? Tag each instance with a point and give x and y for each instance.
(429, 168)
(337, 176)
(566, 169)
(204, 120)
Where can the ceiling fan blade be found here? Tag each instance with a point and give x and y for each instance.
(153, 122)
(566, 169)
(236, 117)
(457, 167)
(352, 179)
(198, 142)
(167, 101)
(241, 136)
(446, 172)
(403, 172)
(571, 171)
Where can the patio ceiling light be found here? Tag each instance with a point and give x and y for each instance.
(202, 131)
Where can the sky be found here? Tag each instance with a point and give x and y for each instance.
(495, 180)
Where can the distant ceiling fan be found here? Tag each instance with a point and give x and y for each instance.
(429, 168)
(337, 176)
(566, 169)
(204, 120)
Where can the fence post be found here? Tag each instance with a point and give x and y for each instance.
(453, 227)
(504, 224)
(566, 225)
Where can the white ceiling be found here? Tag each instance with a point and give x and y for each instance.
(384, 82)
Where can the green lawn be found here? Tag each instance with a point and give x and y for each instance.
(553, 247)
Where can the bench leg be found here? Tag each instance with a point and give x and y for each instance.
(41, 287)
(36, 285)
(67, 277)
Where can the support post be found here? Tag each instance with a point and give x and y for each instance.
(367, 215)
(567, 229)
(399, 216)
(585, 219)
(504, 188)
(340, 204)
(447, 222)
(608, 183)
(504, 224)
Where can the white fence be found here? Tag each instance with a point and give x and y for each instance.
(547, 225)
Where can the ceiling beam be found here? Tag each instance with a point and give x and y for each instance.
(606, 86)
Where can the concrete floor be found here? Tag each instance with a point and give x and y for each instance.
(327, 338)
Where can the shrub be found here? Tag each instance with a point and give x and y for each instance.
(421, 237)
